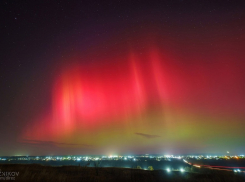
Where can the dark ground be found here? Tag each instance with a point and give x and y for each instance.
(36, 172)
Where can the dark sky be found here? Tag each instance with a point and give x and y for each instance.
(104, 77)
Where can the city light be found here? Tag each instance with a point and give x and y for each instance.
(182, 170)
(186, 159)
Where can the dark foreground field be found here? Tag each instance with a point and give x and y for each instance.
(34, 172)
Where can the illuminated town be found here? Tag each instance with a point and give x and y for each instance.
(120, 157)
(144, 158)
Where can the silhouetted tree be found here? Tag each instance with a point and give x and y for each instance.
(86, 165)
(96, 166)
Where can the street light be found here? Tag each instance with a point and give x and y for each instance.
(182, 170)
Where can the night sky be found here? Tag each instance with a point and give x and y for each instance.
(122, 77)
